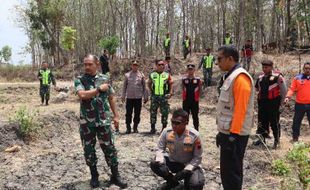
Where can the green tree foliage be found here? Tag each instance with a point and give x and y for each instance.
(110, 43)
(68, 38)
(5, 53)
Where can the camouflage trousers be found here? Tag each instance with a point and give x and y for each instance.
(162, 103)
(106, 142)
(45, 92)
(207, 77)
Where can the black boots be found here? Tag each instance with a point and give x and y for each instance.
(46, 102)
(135, 128)
(94, 183)
(128, 131)
(153, 130)
(116, 178)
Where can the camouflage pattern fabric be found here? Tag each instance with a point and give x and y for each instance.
(106, 141)
(207, 77)
(95, 120)
(45, 91)
(162, 103)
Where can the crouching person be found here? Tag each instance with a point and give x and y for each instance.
(184, 157)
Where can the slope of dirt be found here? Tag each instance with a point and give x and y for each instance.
(54, 160)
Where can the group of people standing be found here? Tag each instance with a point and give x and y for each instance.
(179, 152)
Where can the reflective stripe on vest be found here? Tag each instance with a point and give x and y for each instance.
(45, 76)
(167, 41)
(186, 43)
(208, 61)
(160, 85)
(227, 41)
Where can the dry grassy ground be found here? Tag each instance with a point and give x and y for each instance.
(54, 159)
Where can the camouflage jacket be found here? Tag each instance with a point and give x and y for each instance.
(95, 111)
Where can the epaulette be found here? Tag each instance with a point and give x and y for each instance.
(193, 132)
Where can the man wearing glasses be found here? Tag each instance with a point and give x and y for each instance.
(160, 85)
(184, 157)
(235, 112)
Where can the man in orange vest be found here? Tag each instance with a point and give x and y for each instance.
(300, 85)
(271, 89)
(235, 110)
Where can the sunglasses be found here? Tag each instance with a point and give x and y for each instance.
(161, 64)
(176, 122)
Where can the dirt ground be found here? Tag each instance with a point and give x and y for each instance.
(54, 159)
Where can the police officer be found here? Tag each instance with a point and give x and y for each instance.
(160, 85)
(134, 89)
(46, 77)
(184, 157)
(186, 46)
(166, 45)
(271, 89)
(97, 97)
(207, 62)
(191, 88)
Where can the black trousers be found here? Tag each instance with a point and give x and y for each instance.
(133, 105)
(192, 107)
(269, 115)
(231, 161)
(195, 181)
(300, 111)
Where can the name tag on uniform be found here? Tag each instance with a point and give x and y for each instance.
(195, 81)
(272, 78)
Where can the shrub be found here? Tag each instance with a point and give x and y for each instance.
(280, 167)
(27, 121)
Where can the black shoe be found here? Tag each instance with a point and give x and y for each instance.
(135, 128)
(275, 144)
(128, 131)
(116, 178)
(295, 139)
(94, 183)
(46, 102)
(258, 142)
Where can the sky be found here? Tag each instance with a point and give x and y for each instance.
(11, 34)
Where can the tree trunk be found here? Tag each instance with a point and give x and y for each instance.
(258, 26)
(140, 28)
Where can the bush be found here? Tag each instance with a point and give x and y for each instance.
(280, 167)
(110, 43)
(17, 72)
(28, 125)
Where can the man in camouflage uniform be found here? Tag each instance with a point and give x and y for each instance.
(97, 97)
(184, 156)
(46, 77)
(160, 85)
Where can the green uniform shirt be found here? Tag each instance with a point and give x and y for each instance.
(95, 111)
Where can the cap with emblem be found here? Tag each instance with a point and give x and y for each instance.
(267, 63)
(190, 66)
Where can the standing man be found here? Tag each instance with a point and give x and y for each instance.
(97, 97)
(235, 112)
(191, 86)
(185, 154)
(271, 89)
(46, 77)
(207, 62)
(134, 89)
(160, 85)
(228, 39)
(104, 62)
(168, 66)
(300, 85)
(167, 45)
(246, 54)
(186, 46)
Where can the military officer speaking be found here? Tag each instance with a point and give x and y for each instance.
(96, 99)
(184, 157)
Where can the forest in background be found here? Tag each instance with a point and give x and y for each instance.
(136, 28)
